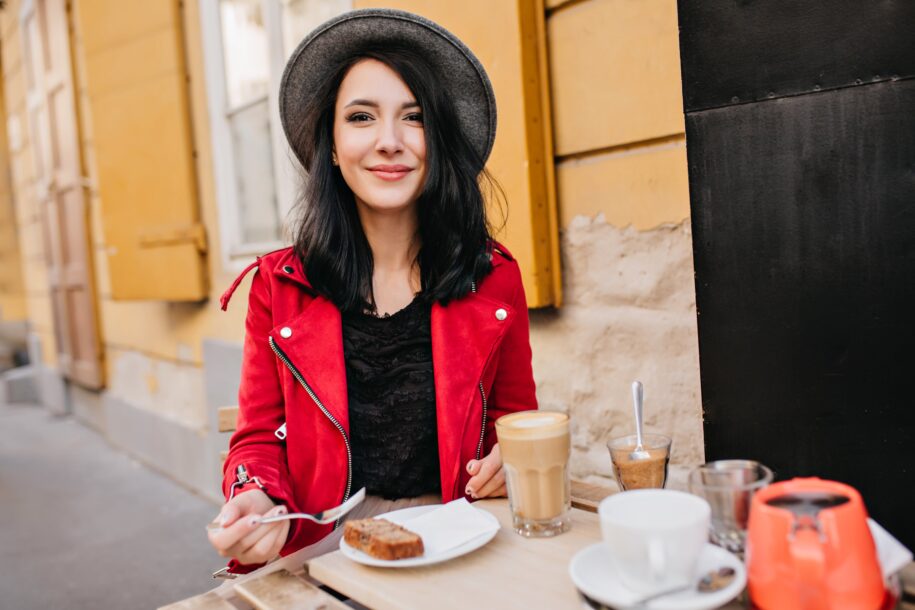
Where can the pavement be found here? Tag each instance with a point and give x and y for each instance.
(84, 526)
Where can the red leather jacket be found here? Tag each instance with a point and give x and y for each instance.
(293, 421)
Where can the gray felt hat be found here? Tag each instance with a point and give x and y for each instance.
(319, 55)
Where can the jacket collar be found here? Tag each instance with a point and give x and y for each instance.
(289, 266)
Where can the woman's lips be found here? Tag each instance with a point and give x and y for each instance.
(390, 172)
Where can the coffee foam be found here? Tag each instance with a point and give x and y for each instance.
(533, 424)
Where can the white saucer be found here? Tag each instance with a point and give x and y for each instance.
(594, 575)
(405, 514)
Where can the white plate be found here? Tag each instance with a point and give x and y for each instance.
(404, 515)
(594, 575)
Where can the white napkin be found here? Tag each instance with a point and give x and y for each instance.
(449, 526)
(892, 555)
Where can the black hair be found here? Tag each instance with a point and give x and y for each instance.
(454, 233)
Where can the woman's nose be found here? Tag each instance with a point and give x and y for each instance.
(390, 139)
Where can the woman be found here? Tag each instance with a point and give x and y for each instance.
(383, 345)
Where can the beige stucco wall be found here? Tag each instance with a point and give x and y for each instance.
(629, 314)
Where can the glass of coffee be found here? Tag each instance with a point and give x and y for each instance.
(647, 473)
(535, 454)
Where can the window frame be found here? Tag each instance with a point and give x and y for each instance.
(235, 253)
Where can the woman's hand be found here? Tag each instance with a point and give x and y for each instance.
(487, 478)
(241, 538)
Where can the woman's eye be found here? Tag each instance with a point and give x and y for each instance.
(415, 116)
(358, 117)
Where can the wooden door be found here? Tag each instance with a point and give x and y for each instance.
(59, 188)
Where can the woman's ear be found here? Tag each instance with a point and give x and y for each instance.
(333, 157)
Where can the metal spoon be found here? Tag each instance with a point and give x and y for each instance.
(714, 580)
(638, 396)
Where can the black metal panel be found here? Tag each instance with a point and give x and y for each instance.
(803, 214)
(744, 50)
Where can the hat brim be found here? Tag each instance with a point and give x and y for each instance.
(319, 55)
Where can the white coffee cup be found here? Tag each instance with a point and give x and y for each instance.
(655, 537)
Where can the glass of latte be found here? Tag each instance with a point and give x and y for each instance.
(535, 454)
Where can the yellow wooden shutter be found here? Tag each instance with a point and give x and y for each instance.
(510, 40)
(141, 131)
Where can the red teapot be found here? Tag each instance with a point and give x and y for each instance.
(809, 548)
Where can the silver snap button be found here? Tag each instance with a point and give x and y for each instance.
(501, 314)
(288, 269)
(285, 332)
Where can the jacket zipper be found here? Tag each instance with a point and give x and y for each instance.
(349, 454)
(473, 289)
(483, 427)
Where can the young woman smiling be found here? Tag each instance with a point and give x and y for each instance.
(382, 346)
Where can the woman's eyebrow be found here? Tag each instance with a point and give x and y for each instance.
(374, 104)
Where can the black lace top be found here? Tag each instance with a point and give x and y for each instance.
(392, 402)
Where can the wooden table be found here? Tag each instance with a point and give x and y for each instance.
(510, 572)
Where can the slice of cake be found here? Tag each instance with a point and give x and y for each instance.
(382, 539)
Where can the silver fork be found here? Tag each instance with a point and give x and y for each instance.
(325, 516)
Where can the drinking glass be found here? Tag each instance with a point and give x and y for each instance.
(728, 486)
(535, 449)
(647, 473)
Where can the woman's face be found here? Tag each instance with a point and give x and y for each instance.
(379, 140)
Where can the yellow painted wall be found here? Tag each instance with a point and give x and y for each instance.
(12, 289)
(28, 214)
(618, 111)
(641, 185)
(615, 73)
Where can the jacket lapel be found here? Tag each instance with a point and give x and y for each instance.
(464, 335)
(313, 343)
